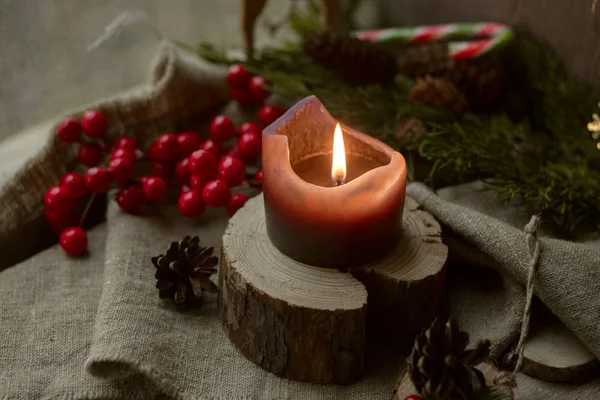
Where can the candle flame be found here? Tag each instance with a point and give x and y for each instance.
(338, 165)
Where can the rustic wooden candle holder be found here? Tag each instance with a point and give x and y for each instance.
(284, 304)
(308, 323)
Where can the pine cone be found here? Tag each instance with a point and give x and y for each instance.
(407, 129)
(482, 80)
(185, 270)
(439, 93)
(354, 60)
(440, 367)
(419, 60)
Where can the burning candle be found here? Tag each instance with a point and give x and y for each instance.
(333, 196)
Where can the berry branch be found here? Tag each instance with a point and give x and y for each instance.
(203, 171)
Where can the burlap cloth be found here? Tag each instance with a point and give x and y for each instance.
(93, 327)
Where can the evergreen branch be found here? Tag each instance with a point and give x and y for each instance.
(564, 183)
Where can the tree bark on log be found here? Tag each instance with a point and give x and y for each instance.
(406, 288)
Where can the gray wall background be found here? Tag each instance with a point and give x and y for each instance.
(45, 68)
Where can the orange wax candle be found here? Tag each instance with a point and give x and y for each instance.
(331, 200)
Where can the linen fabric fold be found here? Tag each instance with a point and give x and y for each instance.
(48, 308)
(567, 279)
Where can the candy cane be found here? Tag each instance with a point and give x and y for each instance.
(497, 36)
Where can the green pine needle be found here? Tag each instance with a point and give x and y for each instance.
(546, 107)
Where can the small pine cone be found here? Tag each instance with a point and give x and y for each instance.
(529, 149)
(441, 368)
(354, 60)
(419, 60)
(184, 271)
(408, 129)
(439, 93)
(482, 80)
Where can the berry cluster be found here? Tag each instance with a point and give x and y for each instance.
(251, 91)
(204, 171)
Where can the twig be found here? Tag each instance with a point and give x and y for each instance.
(87, 208)
(273, 27)
(508, 379)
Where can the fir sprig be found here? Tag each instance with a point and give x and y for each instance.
(553, 113)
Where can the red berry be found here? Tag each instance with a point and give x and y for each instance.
(165, 148)
(258, 90)
(97, 179)
(58, 199)
(213, 147)
(73, 241)
(123, 153)
(182, 170)
(126, 143)
(93, 124)
(188, 142)
(58, 220)
(130, 199)
(74, 183)
(243, 97)
(258, 177)
(238, 77)
(58, 217)
(221, 129)
(162, 170)
(190, 204)
(122, 169)
(69, 130)
(90, 154)
(233, 152)
(154, 188)
(249, 127)
(197, 182)
(250, 145)
(268, 114)
(138, 154)
(413, 397)
(184, 189)
(216, 193)
(236, 202)
(232, 170)
(202, 162)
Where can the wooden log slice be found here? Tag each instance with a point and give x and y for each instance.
(299, 322)
(553, 353)
(308, 323)
(406, 288)
(404, 386)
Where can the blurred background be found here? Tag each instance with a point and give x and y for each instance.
(49, 63)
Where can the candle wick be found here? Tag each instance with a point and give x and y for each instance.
(338, 182)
